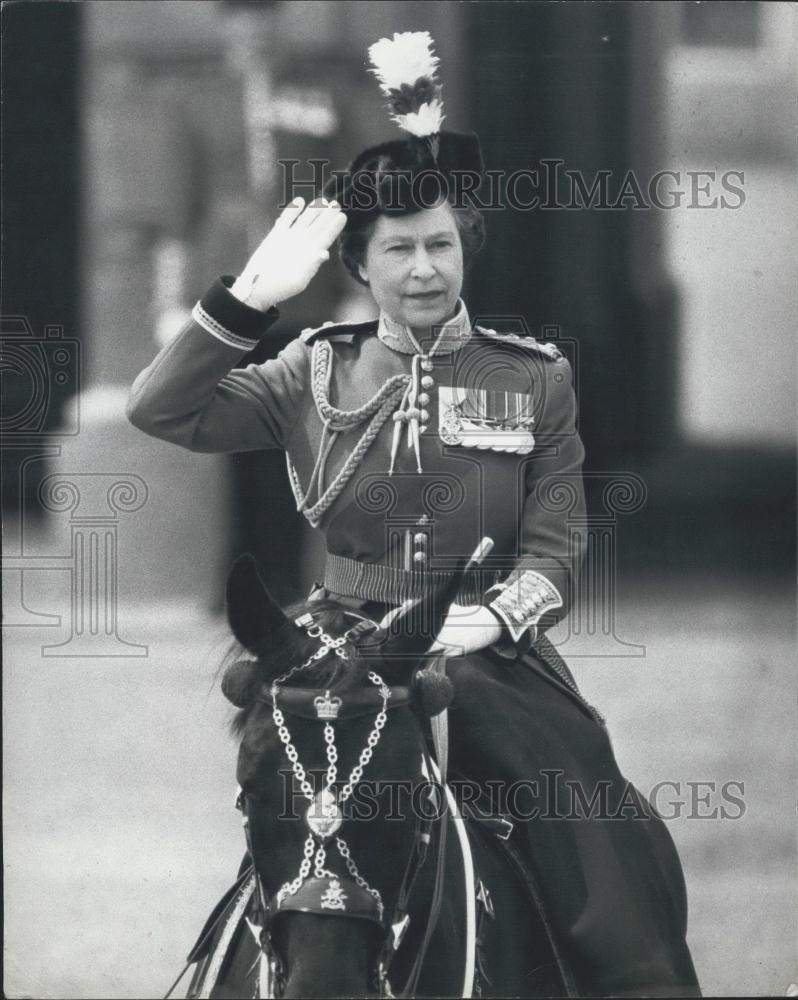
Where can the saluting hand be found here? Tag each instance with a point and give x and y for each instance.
(285, 262)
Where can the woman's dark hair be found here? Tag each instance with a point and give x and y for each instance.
(470, 225)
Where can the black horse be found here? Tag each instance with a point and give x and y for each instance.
(366, 876)
(405, 898)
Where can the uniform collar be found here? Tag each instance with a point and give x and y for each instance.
(452, 336)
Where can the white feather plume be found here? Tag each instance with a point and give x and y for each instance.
(400, 64)
(426, 121)
(403, 59)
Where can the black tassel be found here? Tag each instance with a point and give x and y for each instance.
(434, 691)
(240, 683)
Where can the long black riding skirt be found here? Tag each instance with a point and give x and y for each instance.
(607, 867)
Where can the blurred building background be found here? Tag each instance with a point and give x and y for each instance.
(172, 121)
(145, 152)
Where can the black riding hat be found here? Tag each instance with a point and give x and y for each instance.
(409, 174)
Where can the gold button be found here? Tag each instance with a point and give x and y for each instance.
(419, 557)
(423, 399)
(424, 416)
(427, 381)
(420, 538)
(426, 364)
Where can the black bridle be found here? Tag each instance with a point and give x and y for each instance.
(360, 903)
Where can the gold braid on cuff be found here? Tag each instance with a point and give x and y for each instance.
(523, 600)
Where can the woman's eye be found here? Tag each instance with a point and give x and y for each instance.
(441, 244)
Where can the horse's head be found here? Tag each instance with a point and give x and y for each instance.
(337, 806)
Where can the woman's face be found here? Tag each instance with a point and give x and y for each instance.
(414, 266)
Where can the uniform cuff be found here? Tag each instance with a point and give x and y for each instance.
(522, 600)
(505, 645)
(228, 319)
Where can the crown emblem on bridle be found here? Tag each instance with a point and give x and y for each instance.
(327, 707)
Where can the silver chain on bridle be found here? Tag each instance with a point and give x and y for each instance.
(314, 854)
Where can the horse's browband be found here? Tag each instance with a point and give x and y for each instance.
(318, 704)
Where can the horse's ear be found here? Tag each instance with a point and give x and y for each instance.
(412, 630)
(252, 612)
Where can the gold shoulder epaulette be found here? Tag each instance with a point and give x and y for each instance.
(550, 351)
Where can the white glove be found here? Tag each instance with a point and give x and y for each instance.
(295, 248)
(466, 630)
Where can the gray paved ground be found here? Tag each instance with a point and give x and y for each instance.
(120, 831)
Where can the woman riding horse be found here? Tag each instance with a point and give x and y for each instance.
(409, 439)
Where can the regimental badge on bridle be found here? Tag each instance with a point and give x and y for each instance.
(334, 897)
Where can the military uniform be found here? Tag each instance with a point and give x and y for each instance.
(400, 482)
(405, 455)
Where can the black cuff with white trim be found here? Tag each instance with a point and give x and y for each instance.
(229, 319)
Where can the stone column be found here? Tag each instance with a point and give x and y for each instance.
(94, 502)
(592, 627)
